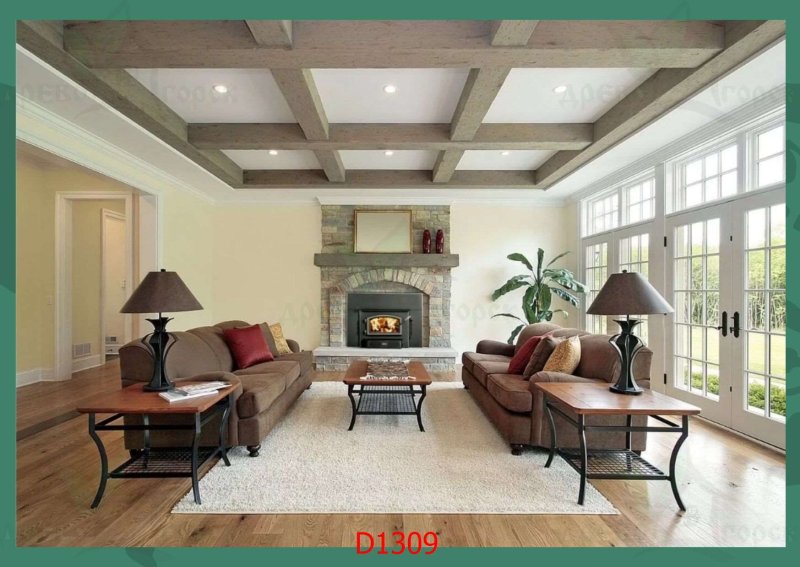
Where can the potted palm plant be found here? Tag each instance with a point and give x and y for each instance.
(540, 285)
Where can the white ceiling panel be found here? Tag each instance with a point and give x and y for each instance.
(494, 159)
(528, 95)
(357, 95)
(377, 159)
(253, 95)
(286, 159)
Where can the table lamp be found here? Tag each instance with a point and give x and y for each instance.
(159, 292)
(627, 293)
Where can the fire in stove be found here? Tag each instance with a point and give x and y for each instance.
(383, 325)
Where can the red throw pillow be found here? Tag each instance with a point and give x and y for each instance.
(520, 360)
(248, 346)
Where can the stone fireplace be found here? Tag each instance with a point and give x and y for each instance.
(345, 274)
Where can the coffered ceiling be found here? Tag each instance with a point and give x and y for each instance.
(394, 104)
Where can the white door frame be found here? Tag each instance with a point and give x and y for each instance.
(62, 301)
(128, 326)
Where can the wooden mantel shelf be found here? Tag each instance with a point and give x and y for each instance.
(386, 260)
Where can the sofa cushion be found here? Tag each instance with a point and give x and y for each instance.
(520, 359)
(510, 391)
(534, 330)
(288, 368)
(268, 336)
(599, 360)
(215, 341)
(260, 392)
(188, 356)
(540, 355)
(248, 346)
(468, 359)
(565, 357)
(481, 370)
(304, 358)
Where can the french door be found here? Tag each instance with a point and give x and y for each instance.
(726, 279)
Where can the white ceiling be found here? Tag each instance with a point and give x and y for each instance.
(357, 95)
(494, 159)
(528, 96)
(45, 88)
(286, 159)
(377, 159)
(253, 95)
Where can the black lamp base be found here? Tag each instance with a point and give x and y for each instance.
(158, 340)
(627, 346)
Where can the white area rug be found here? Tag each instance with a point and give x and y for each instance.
(311, 463)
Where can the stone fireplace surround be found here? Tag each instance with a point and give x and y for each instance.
(342, 271)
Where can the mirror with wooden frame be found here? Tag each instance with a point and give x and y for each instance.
(383, 231)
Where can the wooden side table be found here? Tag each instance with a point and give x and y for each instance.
(158, 462)
(595, 399)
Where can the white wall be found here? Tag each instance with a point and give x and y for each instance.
(483, 236)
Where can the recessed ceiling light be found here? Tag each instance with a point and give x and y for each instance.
(388, 153)
(390, 89)
(560, 89)
(273, 152)
(221, 89)
(504, 153)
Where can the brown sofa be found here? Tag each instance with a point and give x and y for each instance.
(516, 408)
(268, 389)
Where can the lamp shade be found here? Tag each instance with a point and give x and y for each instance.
(628, 293)
(161, 292)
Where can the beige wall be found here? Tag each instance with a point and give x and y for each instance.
(483, 236)
(263, 267)
(87, 269)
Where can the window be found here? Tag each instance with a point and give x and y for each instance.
(634, 256)
(604, 213)
(596, 276)
(706, 178)
(640, 201)
(769, 167)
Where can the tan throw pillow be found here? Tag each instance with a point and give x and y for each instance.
(565, 357)
(540, 356)
(280, 341)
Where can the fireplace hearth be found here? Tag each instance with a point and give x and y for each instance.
(384, 320)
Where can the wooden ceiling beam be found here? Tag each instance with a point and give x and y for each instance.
(126, 95)
(392, 44)
(300, 92)
(385, 179)
(446, 164)
(241, 136)
(271, 33)
(512, 32)
(662, 92)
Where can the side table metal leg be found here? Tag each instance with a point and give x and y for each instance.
(673, 459)
(223, 433)
(628, 441)
(553, 436)
(103, 461)
(352, 405)
(146, 432)
(419, 407)
(195, 445)
(584, 457)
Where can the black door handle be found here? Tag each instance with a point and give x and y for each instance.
(724, 326)
(735, 328)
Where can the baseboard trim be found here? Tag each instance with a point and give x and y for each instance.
(86, 362)
(28, 377)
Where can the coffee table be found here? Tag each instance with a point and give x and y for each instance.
(386, 397)
(158, 462)
(583, 400)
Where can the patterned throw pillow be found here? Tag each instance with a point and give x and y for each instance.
(565, 357)
(540, 355)
(280, 341)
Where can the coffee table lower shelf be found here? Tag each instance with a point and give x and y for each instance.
(386, 400)
(613, 464)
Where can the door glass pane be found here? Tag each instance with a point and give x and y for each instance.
(765, 313)
(595, 276)
(697, 310)
(633, 257)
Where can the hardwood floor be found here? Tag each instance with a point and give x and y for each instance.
(735, 491)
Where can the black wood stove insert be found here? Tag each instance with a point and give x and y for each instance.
(384, 320)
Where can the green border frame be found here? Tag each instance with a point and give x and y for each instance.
(362, 9)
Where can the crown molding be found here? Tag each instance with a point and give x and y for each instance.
(770, 102)
(44, 129)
